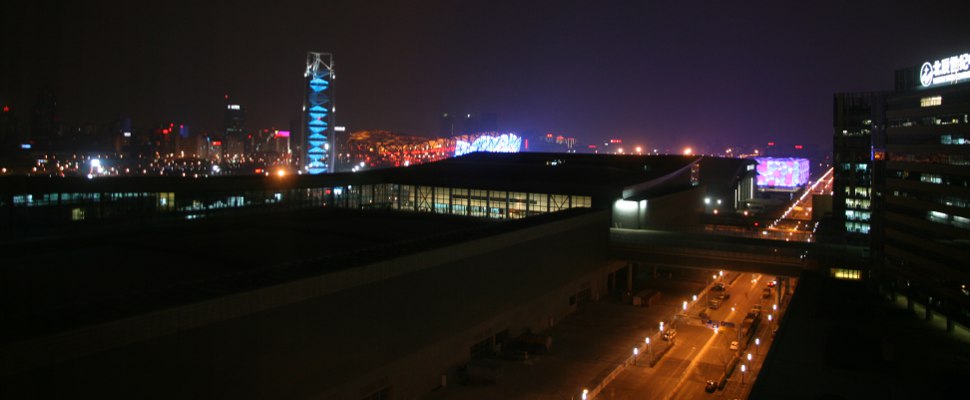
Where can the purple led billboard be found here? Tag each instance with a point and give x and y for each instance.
(782, 172)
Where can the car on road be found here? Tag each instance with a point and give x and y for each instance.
(718, 287)
(723, 296)
(714, 304)
(710, 387)
(669, 334)
(734, 345)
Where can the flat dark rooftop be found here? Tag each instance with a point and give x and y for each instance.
(56, 282)
(838, 340)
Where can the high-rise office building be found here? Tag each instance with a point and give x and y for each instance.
(915, 180)
(927, 189)
(318, 110)
(858, 125)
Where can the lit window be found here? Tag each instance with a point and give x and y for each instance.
(931, 101)
(846, 273)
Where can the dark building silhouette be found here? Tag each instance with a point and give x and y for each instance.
(858, 122)
(44, 129)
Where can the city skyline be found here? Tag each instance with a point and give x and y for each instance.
(651, 73)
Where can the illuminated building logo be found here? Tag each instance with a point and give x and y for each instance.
(945, 70)
(505, 143)
(926, 74)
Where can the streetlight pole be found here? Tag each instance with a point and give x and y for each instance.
(757, 346)
(743, 370)
(635, 352)
(649, 348)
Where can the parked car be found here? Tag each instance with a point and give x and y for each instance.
(714, 304)
(723, 296)
(669, 334)
(710, 387)
(734, 345)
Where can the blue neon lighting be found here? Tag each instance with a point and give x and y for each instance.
(318, 84)
(318, 113)
(505, 143)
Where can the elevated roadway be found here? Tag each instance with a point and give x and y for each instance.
(693, 250)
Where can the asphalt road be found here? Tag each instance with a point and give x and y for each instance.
(700, 354)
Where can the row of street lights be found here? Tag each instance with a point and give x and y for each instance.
(649, 346)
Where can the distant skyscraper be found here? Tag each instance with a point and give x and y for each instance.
(318, 109)
(234, 134)
(43, 122)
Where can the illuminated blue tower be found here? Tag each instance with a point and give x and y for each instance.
(318, 112)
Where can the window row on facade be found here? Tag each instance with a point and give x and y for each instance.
(59, 208)
(484, 203)
(933, 120)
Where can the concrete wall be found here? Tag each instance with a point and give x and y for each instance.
(682, 208)
(397, 324)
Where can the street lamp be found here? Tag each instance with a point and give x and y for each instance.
(695, 297)
(685, 306)
(649, 347)
(743, 370)
(585, 393)
(757, 346)
(661, 326)
(635, 352)
(749, 357)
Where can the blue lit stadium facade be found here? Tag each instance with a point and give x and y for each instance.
(318, 111)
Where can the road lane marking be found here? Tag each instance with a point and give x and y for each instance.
(691, 366)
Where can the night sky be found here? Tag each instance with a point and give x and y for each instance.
(661, 74)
